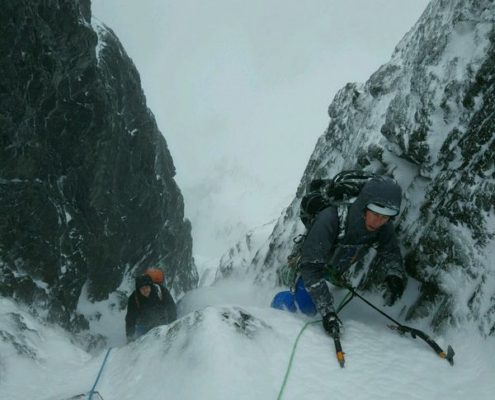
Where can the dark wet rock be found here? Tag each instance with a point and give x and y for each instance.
(87, 190)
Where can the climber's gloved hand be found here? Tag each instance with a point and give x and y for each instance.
(331, 323)
(394, 289)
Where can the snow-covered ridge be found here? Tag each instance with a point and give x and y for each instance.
(37, 359)
(242, 352)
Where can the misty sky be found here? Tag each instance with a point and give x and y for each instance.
(240, 90)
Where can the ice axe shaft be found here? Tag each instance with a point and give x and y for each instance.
(449, 355)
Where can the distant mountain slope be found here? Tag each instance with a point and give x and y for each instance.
(87, 190)
(427, 118)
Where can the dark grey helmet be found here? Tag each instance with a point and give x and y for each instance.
(383, 195)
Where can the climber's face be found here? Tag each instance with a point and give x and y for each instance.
(145, 290)
(374, 221)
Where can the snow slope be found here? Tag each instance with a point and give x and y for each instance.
(240, 350)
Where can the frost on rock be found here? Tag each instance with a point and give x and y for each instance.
(15, 334)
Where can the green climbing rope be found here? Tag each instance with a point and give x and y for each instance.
(347, 298)
(292, 357)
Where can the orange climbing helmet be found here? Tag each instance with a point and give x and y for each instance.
(156, 275)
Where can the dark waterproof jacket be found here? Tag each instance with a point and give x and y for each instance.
(322, 250)
(149, 312)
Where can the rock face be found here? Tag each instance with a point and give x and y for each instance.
(87, 194)
(426, 117)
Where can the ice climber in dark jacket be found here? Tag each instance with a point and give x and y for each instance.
(368, 224)
(150, 305)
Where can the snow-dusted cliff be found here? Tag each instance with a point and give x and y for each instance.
(87, 189)
(427, 118)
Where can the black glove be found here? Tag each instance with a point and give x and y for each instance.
(395, 287)
(331, 323)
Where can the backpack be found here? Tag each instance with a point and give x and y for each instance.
(340, 191)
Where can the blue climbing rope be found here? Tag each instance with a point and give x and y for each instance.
(92, 391)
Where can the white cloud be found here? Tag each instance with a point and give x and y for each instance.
(240, 90)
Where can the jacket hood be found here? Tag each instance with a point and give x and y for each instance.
(381, 191)
(381, 194)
